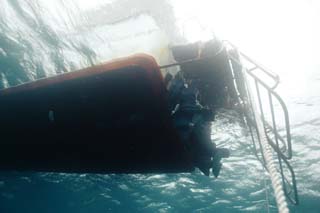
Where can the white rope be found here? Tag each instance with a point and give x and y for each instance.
(270, 165)
(267, 153)
(266, 192)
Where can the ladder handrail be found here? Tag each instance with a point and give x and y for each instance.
(271, 74)
(256, 119)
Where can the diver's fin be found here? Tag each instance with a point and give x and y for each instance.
(216, 164)
(204, 165)
(216, 169)
(205, 170)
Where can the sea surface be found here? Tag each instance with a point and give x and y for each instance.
(40, 39)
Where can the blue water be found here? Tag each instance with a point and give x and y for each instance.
(39, 39)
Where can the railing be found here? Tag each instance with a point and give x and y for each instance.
(264, 135)
(245, 70)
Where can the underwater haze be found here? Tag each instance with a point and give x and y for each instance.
(40, 38)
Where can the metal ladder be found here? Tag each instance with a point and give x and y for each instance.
(272, 147)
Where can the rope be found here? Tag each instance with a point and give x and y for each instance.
(271, 167)
(267, 193)
(268, 157)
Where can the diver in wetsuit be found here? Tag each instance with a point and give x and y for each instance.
(193, 123)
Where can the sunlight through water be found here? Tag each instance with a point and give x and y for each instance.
(40, 38)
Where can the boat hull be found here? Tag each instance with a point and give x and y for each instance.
(110, 118)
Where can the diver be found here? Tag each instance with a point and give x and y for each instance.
(193, 122)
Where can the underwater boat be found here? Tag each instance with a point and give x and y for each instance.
(125, 116)
(113, 117)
